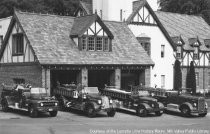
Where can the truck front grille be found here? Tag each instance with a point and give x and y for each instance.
(201, 104)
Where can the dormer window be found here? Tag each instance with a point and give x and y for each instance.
(91, 34)
(91, 43)
(99, 44)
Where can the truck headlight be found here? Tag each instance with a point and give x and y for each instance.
(110, 101)
(99, 101)
(206, 105)
(153, 105)
(84, 96)
(56, 104)
(41, 104)
(195, 104)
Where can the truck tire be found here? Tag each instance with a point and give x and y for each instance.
(33, 112)
(111, 113)
(141, 111)
(158, 113)
(53, 113)
(185, 110)
(4, 105)
(90, 111)
(203, 114)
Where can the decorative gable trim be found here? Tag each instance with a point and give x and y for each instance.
(81, 31)
(18, 27)
(159, 24)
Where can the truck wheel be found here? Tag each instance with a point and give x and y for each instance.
(53, 113)
(4, 105)
(91, 111)
(111, 113)
(158, 113)
(141, 111)
(33, 112)
(185, 111)
(203, 114)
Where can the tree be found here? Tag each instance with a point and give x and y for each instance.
(191, 81)
(60, 7)
(177, 75)
(184, 6)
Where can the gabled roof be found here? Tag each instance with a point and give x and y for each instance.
(49, 38)
(85, 7)
(143, 3)
(81, 24)
(188, 26)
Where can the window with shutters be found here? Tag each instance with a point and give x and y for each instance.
(17, 44)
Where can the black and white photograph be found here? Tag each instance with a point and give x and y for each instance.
(104, 66)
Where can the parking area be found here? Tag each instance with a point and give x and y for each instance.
(124, 122)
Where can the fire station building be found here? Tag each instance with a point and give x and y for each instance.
(43, 49)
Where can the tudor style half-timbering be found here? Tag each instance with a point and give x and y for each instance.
(145, 25)
(85, 50)
(96, 37)
(17, 48)
(191, 35)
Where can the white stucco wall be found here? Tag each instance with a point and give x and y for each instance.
(4, 24)
(111, 8)
(163, 66)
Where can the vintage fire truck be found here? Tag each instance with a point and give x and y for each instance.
(181, 101)
(87, 99)
(136, 99)
(27, 98)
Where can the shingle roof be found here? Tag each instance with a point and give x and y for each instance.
(49, 38)
(188, 26)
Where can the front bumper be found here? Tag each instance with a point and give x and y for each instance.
(47, 109)
(196, 111)
(151, 110)
(105, 109)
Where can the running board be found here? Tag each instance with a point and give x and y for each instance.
(17, 108)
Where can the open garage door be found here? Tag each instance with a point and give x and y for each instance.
(98, 78)
(131, 78)
(64, 77)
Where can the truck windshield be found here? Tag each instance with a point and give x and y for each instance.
(38, 91)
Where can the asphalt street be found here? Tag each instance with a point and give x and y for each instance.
(75, 122)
